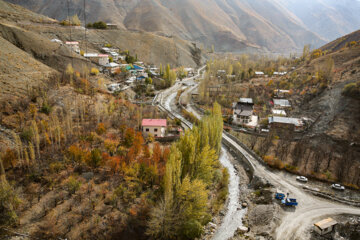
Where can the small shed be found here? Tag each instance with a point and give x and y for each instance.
(325, 226)
(74, 46)
(111, 26)
(281, 103)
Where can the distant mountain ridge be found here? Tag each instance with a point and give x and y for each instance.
(279, 26)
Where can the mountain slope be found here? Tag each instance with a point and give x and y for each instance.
(342, 42)
(230, 25)
(331, 19)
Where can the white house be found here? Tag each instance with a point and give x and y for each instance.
(112, 67)
(325, 226)
(155, 127)
(74, 46)
(243, 113)
(279, 73)
(259, 74)
(114, 55)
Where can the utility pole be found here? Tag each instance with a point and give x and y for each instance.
(68, 11)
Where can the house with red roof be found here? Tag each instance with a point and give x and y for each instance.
(155, 127)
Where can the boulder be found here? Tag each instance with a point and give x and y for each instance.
(212, 225)
(242, 229)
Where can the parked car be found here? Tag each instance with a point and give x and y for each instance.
(301, 178)
(338, 187)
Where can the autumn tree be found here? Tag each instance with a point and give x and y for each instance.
(75, 21)
(129, 137)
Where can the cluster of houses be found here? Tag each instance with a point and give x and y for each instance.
(111, 61)
(279, 118)
(243, 113)
(262, 74)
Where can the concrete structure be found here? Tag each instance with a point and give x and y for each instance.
(278, 112)
(279, 73)
(114, 55)
(325, 226)
(101, 59)
(74, 46)
(106, 50)
(259, 74)
(190, 72)
(221, 72)
(111, 26)
(281, 103)
(280, 93)
(57, 41)
(112, 67)
(243, 113)
(155, 127)
(292, 124)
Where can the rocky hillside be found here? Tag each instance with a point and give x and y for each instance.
(342, 42)
(229, 25)
(329, 149)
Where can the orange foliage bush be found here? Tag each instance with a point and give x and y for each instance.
(76, 154)
(9, 158)
(100, 129)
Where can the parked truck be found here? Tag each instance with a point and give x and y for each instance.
(289, 202)
(279, 196)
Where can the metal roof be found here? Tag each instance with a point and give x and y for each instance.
(323, 224)
(112, 65)
(294, 121)
(246, 100)
(154, 122)
(282, 102)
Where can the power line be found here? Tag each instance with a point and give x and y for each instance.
(85, 25)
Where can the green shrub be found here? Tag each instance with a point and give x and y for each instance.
(352, 90)
(95, 158)
(73, 185)
(26, 134)
(56, 167)
(8, 203)
(191, 229)
(46, 108)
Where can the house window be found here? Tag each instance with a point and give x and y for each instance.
(156, 135)
(147, 130)
(155, 130)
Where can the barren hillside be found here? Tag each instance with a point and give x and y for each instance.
(229, 25)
